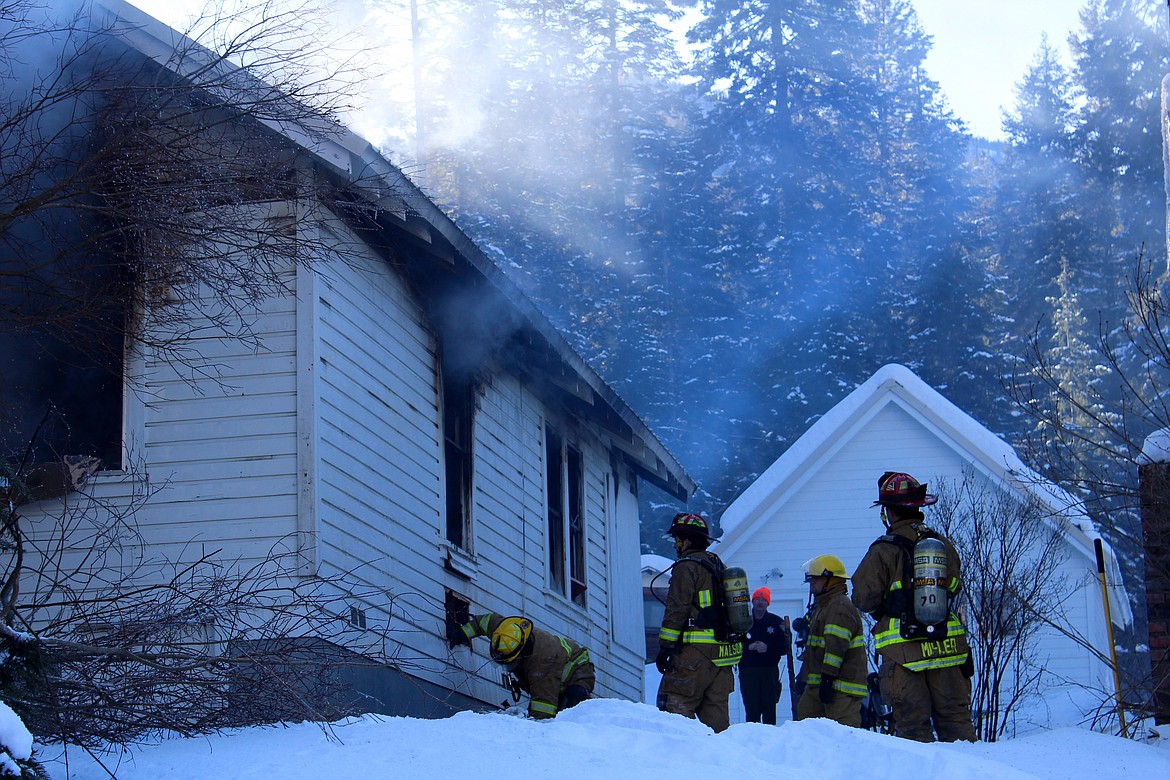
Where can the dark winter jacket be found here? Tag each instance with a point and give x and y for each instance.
(770, 630)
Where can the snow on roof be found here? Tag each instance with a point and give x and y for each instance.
(1156, 448)
(655, 571)
(994, 456)
(655, 563)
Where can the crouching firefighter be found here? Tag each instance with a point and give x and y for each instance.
(555, 672)
(834, 670)
(908, 581)
(696, 647)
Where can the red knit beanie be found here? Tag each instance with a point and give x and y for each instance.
(763, 593)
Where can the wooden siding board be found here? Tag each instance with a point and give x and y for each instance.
(379, 485)
(370, 293)
(404, 359)
(374, 376)
(349, 430)
(190, 432)
(355, 510)
(213, 509)
(180, 454)
(407, 458)
(219, 448)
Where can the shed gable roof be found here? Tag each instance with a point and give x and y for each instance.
(897, 385)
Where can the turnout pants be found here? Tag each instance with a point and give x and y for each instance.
(695, 687)
(936, 697)
(844, 709)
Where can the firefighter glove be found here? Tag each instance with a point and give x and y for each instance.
(826, 693)
(662, 661)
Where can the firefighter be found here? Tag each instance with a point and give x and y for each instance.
(555, 672)
(696, 666)
(834, 668)
(924, 677)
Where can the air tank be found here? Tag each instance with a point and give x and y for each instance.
(930, 582)
(738, 599)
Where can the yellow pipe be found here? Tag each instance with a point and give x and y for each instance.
(1109, 631)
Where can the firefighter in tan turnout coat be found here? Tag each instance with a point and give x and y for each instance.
(925, 672)
(696, 667)
(834, 668)
(554, 671)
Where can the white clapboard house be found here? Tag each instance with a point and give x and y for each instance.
(404, 418)
(816, 498)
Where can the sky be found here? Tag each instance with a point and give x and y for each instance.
(981, 47)
(609, 739)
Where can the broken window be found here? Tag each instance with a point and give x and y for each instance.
(575, 501)
(565, 496)
(457, 611)
(554, 496)
(61, 354)
(100, 218)
(458, 399)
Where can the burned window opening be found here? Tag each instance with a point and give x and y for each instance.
(554, 476)
(136, 179)
(457, 393)
(457, 611)
(575, 501)
(565, 498)
(62, 343)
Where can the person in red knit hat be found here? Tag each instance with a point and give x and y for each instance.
(759, 669)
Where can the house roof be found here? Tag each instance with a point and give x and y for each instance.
(539, 349)
(653, 568)
(983, 450)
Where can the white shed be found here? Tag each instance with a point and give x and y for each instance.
(816, 498)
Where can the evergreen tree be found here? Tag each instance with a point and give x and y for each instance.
(1045, 206)
(838, 172)
(1120, 58)
(1077, 369)
(917, 203)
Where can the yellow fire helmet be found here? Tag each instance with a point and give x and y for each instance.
(509, 639)
(824, 566)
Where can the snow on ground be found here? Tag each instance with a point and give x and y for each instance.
(605, 739)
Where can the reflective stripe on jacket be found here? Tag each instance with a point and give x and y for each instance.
(836, 643)
(689, 616)
(932, 654)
